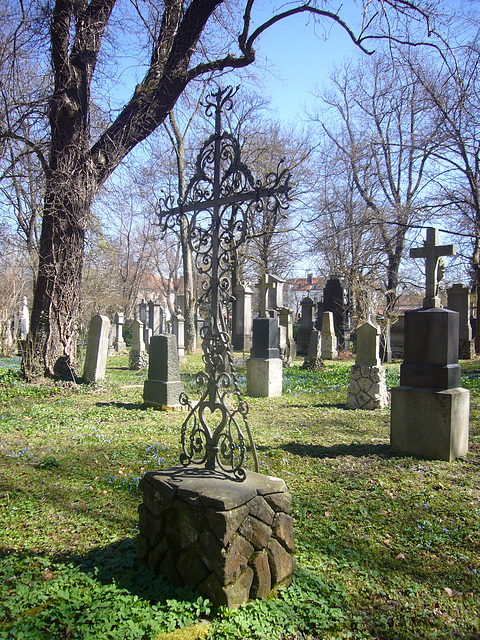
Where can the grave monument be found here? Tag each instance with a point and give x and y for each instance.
(163, 387)
(265, 367)
(138, 358)
(306, 325)
(367, 388)
(97, 349)
(118, 342)
(329, 339)
(430, 411)
(242, 329)
(458, 299)
(209, 522)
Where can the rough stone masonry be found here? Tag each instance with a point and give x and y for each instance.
(233, 541)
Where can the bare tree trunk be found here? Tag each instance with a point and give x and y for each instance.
(53, 330)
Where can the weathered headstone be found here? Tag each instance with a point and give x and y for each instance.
(313, 359)
(329, 339)
(242, 330)
(271, 295)
(138, 358)
(178, 330)
(97, 349)
(367, 388)
(24, 319)
(430, 412)
(163, 387)
(286, 320)
(458, 299)
(119, 343)
(155, 318)
(306, 325)
(264, 367)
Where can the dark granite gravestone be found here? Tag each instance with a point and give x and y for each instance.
(306, 326)
(265, 367)
(163, 387)
(336, 298)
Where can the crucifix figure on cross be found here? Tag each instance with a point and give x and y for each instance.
(432, 252)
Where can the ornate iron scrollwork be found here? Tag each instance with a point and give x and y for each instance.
(219, 206)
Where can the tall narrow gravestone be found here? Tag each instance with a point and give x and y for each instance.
(306, 325)
(163, 387)
(367, 388)
(329, 339)
(138, 358)
(97, 349)
(458, 299)
(430, 412)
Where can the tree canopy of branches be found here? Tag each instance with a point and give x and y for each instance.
(71, 36)
(382, 143)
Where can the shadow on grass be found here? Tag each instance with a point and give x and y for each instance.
(355, 449)
(117, 563)
(123, 405)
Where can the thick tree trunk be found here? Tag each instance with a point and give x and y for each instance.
(53, 327)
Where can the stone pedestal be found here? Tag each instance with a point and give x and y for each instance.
(242, 330)
(430, 412)
(367, 388)
(264, 377)
(431, 424)
(163, 387)
(232, 541)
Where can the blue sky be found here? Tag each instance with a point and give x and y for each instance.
(301, 55)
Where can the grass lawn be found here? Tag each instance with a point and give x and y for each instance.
(388, 547)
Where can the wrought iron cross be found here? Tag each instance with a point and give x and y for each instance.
(432, 252)
(220, 202)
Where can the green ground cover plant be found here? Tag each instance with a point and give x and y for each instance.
(388, 547)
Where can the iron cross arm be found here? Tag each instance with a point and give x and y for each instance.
(253, 195)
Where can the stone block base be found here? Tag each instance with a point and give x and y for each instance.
(137, 360)
(264, 377)
(466, 349)
(162, 395)
(429, 423)
(232, 541)
(367, 388)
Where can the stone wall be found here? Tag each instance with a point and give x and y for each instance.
(233, 541)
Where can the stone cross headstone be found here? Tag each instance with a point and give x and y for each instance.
(97, 349)
(329, 339)
(163, 387)
(271, 294)
(458, 299)
(430, 411)
(432, 252)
